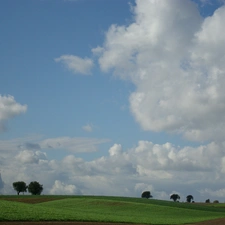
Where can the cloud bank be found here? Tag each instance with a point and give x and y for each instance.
(161, 169)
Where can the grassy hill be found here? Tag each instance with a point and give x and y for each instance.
(104, 209)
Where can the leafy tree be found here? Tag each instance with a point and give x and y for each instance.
(35, 188)
(189, 198)
(20, 186)
(174, 197)
(146, 194)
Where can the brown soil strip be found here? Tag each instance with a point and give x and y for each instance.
(31, 200)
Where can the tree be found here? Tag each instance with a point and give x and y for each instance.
(146, 194)
(35, 188)
(20, 186)
(174, 197)
(189, 198)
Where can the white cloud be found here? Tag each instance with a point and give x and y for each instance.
(175, 58)
(97, 51)
(88, 127)
(9, 108)
(61, 188)
(217, 193)
(116, 149)
(76, 64)
(27, 156)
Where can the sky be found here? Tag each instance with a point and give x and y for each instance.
(113, 97)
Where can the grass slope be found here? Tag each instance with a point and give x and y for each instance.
(106, 209)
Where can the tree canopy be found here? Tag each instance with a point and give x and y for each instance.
(174, 197)
(20, 186)
(146, 194)
(189, 198)
(35, 188)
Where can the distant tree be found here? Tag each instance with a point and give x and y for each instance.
(189, 198)
(20, 186)
(35, 188)
(207, 201)
(146, 194)
(216, 201)
(174, 197)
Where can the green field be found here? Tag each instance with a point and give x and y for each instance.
(105, 209)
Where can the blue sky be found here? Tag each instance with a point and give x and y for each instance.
(113, 97)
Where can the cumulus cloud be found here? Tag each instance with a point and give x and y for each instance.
(116, 149)
(175, 59)
(61, 188)
(76, 64)
(27, 156)
(9, 108)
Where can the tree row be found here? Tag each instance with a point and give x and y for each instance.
(34, 187)
(174, 197)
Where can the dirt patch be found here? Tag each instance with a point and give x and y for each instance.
(109, 203)
(31, 200)
(211, 222)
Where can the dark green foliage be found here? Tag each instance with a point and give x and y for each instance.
(189, 198)
(20, 186)
(146, 194)
(35, 188)
(174, 197)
